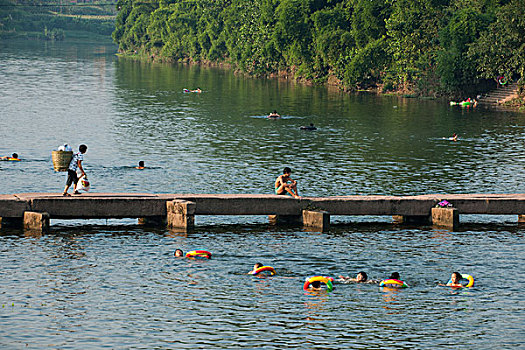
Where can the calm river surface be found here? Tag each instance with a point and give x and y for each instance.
(89, 286)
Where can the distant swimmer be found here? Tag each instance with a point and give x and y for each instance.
(454, 137)
(309, 127)
(14, 157)
(141, 165)
(178, 253)
(274, 115)
(197, 90)
(361, 277)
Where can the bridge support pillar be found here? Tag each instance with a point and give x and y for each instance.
(153, 221)
(181, 214)
(445, 217)
(317, 219)
(412, 219)
(285, 219)
(521, 219)
(36, 222)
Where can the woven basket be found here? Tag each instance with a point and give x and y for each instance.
(61, 160)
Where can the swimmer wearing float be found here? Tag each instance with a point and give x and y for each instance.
(361, 277)
(255, 267)
(197, 90)
(310, 127)
(314, 283)
(394, 281)
(141, 165)
(14, 157)
(259, 268)
(274, 115)
(455, 281)
(193, 254)
(284, 184)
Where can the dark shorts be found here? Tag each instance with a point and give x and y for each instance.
(72, 177)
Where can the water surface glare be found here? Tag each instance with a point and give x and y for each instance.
(90, 286)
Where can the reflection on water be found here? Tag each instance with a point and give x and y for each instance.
(89, 286)
(122, 287)
(128, 111)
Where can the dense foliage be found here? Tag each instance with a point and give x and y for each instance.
(51, 19)
(443, 46)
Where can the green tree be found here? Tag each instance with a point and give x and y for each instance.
(500, 49)
(456, 69)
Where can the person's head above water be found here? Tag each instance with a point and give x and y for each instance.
(82, 148)
(361, 277)
(256, 266)
(179, 253)
(395, 276)
(316, 284)
(287, 171)
(455, 278)
(14, 155)
(141, 164)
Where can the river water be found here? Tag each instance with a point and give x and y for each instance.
(87, 285)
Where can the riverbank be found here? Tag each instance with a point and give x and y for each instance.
(55, 23)
(517, 102)
(289, 75)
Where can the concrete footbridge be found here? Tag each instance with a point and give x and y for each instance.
(34, 210)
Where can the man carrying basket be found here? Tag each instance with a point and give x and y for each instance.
(74, 165)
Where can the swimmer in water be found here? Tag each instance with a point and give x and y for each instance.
(361, 277)
(315, 285)
(274, 115)
(455, 279)
(282, 187)
(310, 127)
(395, 276)
(141, 165)
(14, 156)
(179, 253)
(454, 137)
(255, 267)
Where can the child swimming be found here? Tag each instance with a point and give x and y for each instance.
(255, 267)
(14, 156)
(455, 281)
(361, 277)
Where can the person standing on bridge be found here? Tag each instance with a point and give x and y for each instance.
(74, 165)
